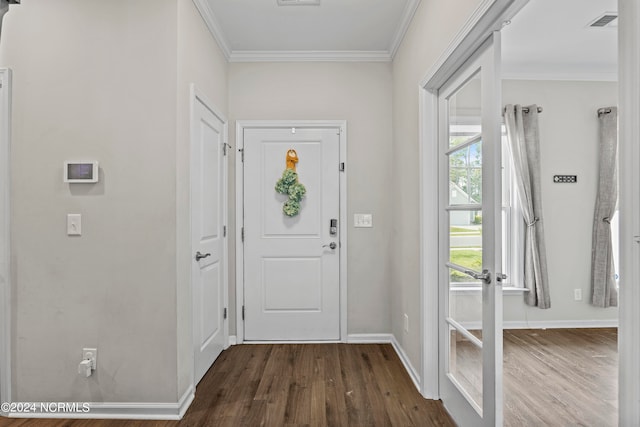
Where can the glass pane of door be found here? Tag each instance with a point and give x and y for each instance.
(464, 214)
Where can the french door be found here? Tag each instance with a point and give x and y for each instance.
(470, 305)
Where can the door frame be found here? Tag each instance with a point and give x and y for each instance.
(197, 95)
(241, 125)
(629, 176)
(5, 234)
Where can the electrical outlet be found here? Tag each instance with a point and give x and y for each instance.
(91, 353)
(577, 294)
(406, 323)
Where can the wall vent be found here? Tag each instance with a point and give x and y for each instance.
(608, 19)
(298, 2)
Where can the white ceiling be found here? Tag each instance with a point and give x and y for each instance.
(333, 30)
(551, 39)
(546, 39)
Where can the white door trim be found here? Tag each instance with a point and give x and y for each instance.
(195, 96)
(241, 125)
(5, 234)
(629, 158)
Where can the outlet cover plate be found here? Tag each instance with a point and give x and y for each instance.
(91, 353)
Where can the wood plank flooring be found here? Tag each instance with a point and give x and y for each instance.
(297, 385)
(553, 377)
(561, 377)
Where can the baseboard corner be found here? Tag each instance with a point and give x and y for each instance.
(404, 358)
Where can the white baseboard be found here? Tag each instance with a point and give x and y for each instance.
(130, 411)
(560, 324)
(388, 339)
(548, 324)
(233, 340)
(369, 338)
(415, 377)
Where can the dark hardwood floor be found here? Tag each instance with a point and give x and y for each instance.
(297, 385)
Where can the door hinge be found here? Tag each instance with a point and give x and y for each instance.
(243, 312)
(241, 150)
(342, 167)
(224, 231)
(224, 313)
(242, 234)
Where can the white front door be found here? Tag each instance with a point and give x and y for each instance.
(292, 263)
(208, 213)
(470, 217)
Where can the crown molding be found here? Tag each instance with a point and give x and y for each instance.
(305, 56)
(214, 26)
(407, 17)
(309, 56)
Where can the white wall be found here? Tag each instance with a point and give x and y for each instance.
(86, 79)
(109, 82)
(361, 94)
(200, 62)
(433, 27)
(568, 146)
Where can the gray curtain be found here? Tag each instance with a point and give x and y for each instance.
(603, 283)
(524, 144)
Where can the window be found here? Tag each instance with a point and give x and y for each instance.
(465, 188)
(513, 227)
(615, 243)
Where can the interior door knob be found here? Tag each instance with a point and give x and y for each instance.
(199, 256)
(331, 245)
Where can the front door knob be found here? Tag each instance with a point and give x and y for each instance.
(199, 256)
(331, 245)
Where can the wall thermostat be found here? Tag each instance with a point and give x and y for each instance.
(80, 172)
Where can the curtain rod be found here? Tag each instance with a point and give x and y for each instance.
(524, 110)
(602, 111)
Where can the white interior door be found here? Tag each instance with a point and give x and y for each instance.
(208, 213)
(470, 220)
(291, 264)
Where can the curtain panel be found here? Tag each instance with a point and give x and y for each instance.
(524, 143)
(604, 292)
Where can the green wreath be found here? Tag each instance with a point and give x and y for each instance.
(290, 186)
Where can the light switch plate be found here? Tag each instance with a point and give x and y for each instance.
(363, 220)
(74, 224)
